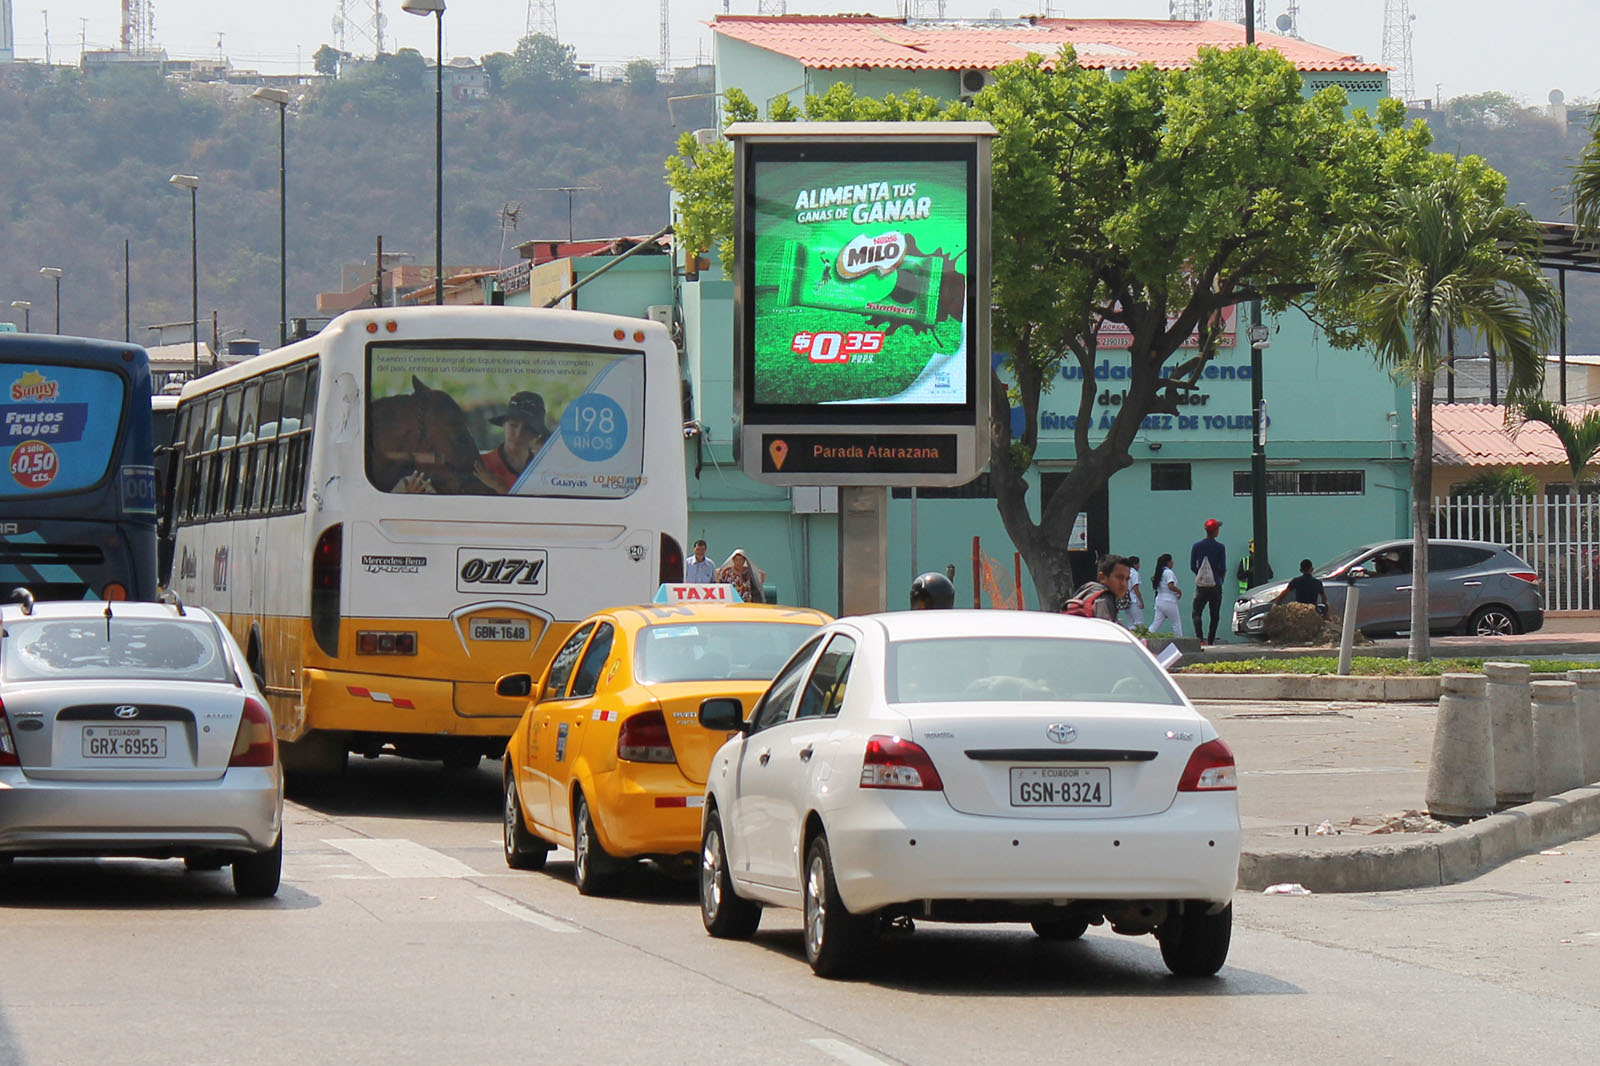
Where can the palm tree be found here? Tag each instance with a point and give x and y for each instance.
(1580, 439)
(1585, 187)
(1447, 251)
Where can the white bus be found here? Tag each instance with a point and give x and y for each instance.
(395, 512)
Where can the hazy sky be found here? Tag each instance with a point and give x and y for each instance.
(1526, 48)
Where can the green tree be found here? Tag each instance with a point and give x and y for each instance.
(1154, 202)
(542, 70)
(1579, 437)
(1585, 187)
(640, 75)
(325, 61)
(1446, 252)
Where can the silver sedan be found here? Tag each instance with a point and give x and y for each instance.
(136, 729)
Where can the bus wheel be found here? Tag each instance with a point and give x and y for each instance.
(314, 755)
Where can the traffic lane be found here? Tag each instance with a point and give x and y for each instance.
(1531, 924)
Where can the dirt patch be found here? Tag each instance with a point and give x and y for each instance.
(1299, 624)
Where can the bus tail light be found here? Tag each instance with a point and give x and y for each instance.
(644, 738)
(373, 642)
(671, 561)
(327, 562)
(252, 745)
(8, 743)
(114, 590)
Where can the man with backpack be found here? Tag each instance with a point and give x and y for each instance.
(1208, 560)
(1098, 598)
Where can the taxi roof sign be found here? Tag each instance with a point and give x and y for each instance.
(697, 593)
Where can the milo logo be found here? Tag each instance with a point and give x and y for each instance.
(34, 386)
(865, 254)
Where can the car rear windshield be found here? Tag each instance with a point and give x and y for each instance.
(716, 651)
(73, 649)
(1024, 670)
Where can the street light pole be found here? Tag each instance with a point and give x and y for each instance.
(55, 272)
(1260, 560)
(192, 183)
(24, 306)
(436, 8)
(281, 98)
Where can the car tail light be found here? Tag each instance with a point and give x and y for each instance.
(373, 642)
(252, 745)
(671, 572)
(644, 738)
(8, 743)
(1525, 575)
(327, 561)
(1210, 769)
(891, 762)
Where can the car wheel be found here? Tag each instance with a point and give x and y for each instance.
(524, 851)
(256, 875)
(593, 870)
(1061, 928)
(834, 937)
(1195, 944)
(1493, 621)
(724, 912)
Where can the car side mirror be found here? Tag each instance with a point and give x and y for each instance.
(1354, 574)
(514, 686)
(722, 713)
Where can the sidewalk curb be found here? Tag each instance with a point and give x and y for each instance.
(1308, 687)
(1458, 854)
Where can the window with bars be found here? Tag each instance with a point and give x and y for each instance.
(1170, 477)
(1305, 483)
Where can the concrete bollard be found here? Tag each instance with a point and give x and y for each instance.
(1557, 761)
(1588, 708)
(1511, 723)
(1461, 772)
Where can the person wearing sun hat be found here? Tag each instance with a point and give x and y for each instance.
(1208, 560)
(525, 433)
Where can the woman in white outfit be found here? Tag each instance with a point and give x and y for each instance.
(1167, 595)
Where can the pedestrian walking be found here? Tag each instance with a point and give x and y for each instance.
(743, 575)
(932, 592)
(1135, 604)
(1208, 561)
(1098, 598)
(1167, 596)
(699, 570)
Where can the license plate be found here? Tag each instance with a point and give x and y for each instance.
(499, 629)
(124, 742)
(1060, 786)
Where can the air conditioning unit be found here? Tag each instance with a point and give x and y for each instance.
(973, 80)
(661, 313)
(706, 136)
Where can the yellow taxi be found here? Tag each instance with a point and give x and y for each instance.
(610, 759)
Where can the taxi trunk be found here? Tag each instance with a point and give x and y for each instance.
(693, 744)
(1058, 761)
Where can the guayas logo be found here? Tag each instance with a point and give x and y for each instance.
(865, 254)
(34, 386)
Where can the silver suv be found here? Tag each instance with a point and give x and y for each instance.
(1474, 587)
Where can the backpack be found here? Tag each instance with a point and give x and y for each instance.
(1081, 605)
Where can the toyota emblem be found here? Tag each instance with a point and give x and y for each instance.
(1061, 733)
(127, 710)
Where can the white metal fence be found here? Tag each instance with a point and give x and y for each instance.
(1558, 535)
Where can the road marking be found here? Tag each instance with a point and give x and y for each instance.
(528, 914)
(402, 858)
(846, 1053)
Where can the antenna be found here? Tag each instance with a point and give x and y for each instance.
(1189, 10)
(542, 19)
(339, 23)
(1397, 18)
(569, 190)
(666, 40)
(770, 7)
(508, 220)
(47, 37)
(1233, 11)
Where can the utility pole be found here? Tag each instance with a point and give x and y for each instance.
(377, 281)
(1261, 567)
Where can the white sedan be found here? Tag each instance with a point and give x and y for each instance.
(136, 729)
(970, 766)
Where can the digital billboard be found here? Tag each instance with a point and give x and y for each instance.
(861, 298)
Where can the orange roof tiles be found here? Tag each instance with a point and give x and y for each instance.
(1475, 434)
(830, 42)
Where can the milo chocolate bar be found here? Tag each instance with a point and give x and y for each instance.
(807, 277)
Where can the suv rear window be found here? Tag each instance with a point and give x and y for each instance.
(1456, 556)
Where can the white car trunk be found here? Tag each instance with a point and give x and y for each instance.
(1057, 760)
(121, 731)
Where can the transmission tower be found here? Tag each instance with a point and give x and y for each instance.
(666, 40)
(770, 7)
(542, 19)
(1189, 10)
(1397, 18)
(1233, 11)
(351, 20)
(138, 26)
(931, 9)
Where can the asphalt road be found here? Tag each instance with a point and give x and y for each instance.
(400, 937)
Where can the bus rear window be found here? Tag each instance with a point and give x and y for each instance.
(463, 420)
(58, 427)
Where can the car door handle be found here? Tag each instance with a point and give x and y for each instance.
(1402, 588)
(805, 753)
(764, 757)
(1472, 584)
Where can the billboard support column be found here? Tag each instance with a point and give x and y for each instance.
(863, 549)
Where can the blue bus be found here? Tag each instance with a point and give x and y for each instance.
(77, 472)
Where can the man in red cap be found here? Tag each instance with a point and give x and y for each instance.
(1208, 560)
